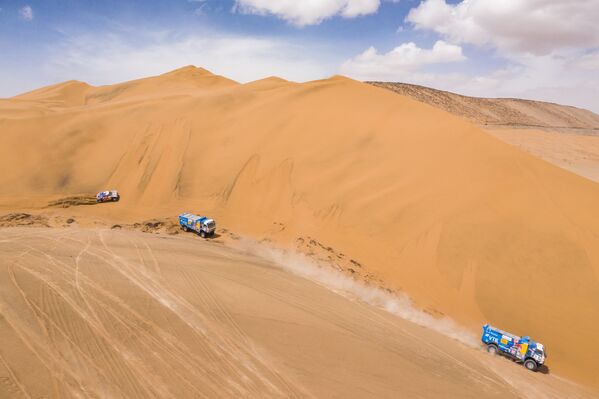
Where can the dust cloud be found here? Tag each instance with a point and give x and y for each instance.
(397, 304)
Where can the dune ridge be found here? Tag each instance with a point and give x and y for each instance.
(502, 112)
(422, 200)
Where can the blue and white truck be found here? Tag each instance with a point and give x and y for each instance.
(522, 349)
(202, 225)
(109, 195)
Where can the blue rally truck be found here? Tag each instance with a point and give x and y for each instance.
(202, 225)
(522, 349)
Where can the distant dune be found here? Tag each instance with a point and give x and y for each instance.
(565, 136)
(391, 190)
(502, 112)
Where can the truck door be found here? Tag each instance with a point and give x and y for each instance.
(523, 349)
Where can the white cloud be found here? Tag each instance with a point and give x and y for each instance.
(307, 12)
(549, 47)
(589, 61)
(26, 13)
(534, 26)
(111, 58)
(546, 78)
(403, 60)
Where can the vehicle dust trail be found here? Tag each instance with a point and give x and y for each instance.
(399, 305)
(526, 384)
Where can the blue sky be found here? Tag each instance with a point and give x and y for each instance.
(540, 49)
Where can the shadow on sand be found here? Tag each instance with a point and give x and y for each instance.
(543, 369)
(212, 237)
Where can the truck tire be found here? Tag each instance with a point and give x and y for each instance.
(492, 349)
(530, 365)
(184, 228)
(203, 234)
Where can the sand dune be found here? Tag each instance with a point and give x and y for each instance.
(177, 82)
(502, 112)
(414, 198)
(562, 135)
(101, 313)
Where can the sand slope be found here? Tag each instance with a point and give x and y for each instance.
(562, 135)
(577, 153)
(101, 313)
(417, 198)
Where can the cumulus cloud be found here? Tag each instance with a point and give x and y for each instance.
(536, 26)
(26, 13)
(307, 12)
(402, 60)
(543, 49)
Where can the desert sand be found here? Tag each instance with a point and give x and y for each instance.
(562, 135)
(109, 313)
(387, 189)
(577, 153)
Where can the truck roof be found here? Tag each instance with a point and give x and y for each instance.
(514, 336)
(193, 217)
(488, 327)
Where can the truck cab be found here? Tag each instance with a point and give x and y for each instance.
(522, 349)
(202, 225)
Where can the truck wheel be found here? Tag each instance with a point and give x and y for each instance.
(203, 234)
(530, 365)
(185, 228)
(492, 349)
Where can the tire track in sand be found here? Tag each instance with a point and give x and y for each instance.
(236, 360)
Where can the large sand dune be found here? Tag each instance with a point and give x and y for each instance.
(103, 313)
(418, 199)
